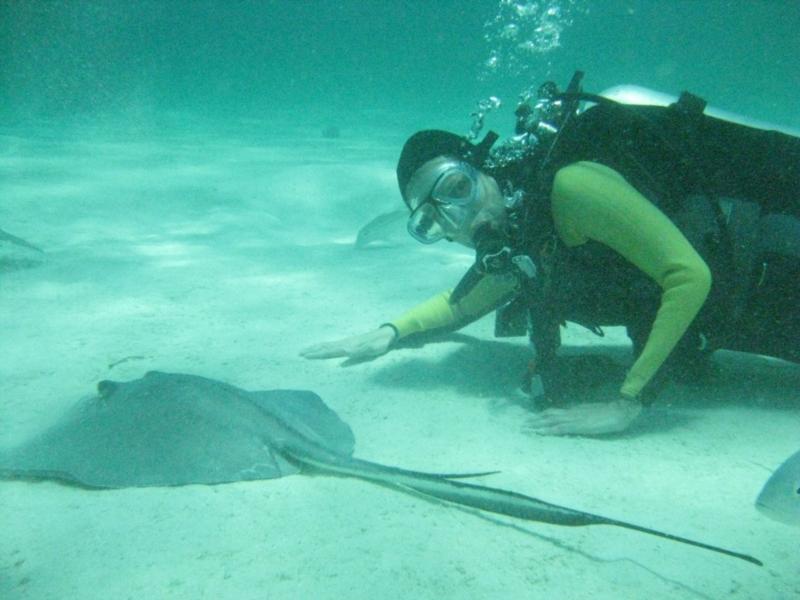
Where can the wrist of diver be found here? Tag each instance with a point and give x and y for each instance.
(631, 405)
(393, 329)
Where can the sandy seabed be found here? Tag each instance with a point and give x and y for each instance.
(223, 255)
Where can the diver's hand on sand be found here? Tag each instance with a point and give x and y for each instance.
(586, 419)
(366, 345)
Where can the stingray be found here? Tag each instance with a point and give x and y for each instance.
(168, 429)
(779, 499)
(383, 230)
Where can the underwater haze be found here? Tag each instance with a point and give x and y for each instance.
(67, 60)
(208, 187)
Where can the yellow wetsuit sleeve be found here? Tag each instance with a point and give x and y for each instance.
(593, 202)
(438, 312)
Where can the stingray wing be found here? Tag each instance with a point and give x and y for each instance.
(161, 429)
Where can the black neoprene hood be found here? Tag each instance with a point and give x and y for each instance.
(424, 146)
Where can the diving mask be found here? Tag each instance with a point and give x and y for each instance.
(443, 196)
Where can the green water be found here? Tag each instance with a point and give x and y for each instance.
(352, 60)
(195, 173)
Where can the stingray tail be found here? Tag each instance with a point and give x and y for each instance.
(464, 475)
(683, 540)
(526, 507)
(494, 500)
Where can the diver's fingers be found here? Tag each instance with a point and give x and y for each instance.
(553, 430)
(361, 352)
(552, 424)
(548, 417)
(553, 421)
(328, 350)
(368, 349)
(366, 345)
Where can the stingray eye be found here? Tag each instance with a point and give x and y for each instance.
(105, 388)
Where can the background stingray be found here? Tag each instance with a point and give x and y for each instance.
(386, 229)
(779, 499)
(175, 429)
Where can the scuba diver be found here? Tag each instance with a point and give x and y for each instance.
(679, 226)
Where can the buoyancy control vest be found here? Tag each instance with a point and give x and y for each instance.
(714, 179)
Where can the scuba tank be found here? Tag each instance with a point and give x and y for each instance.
(634, 94)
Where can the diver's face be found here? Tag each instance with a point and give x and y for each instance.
(450, 199)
